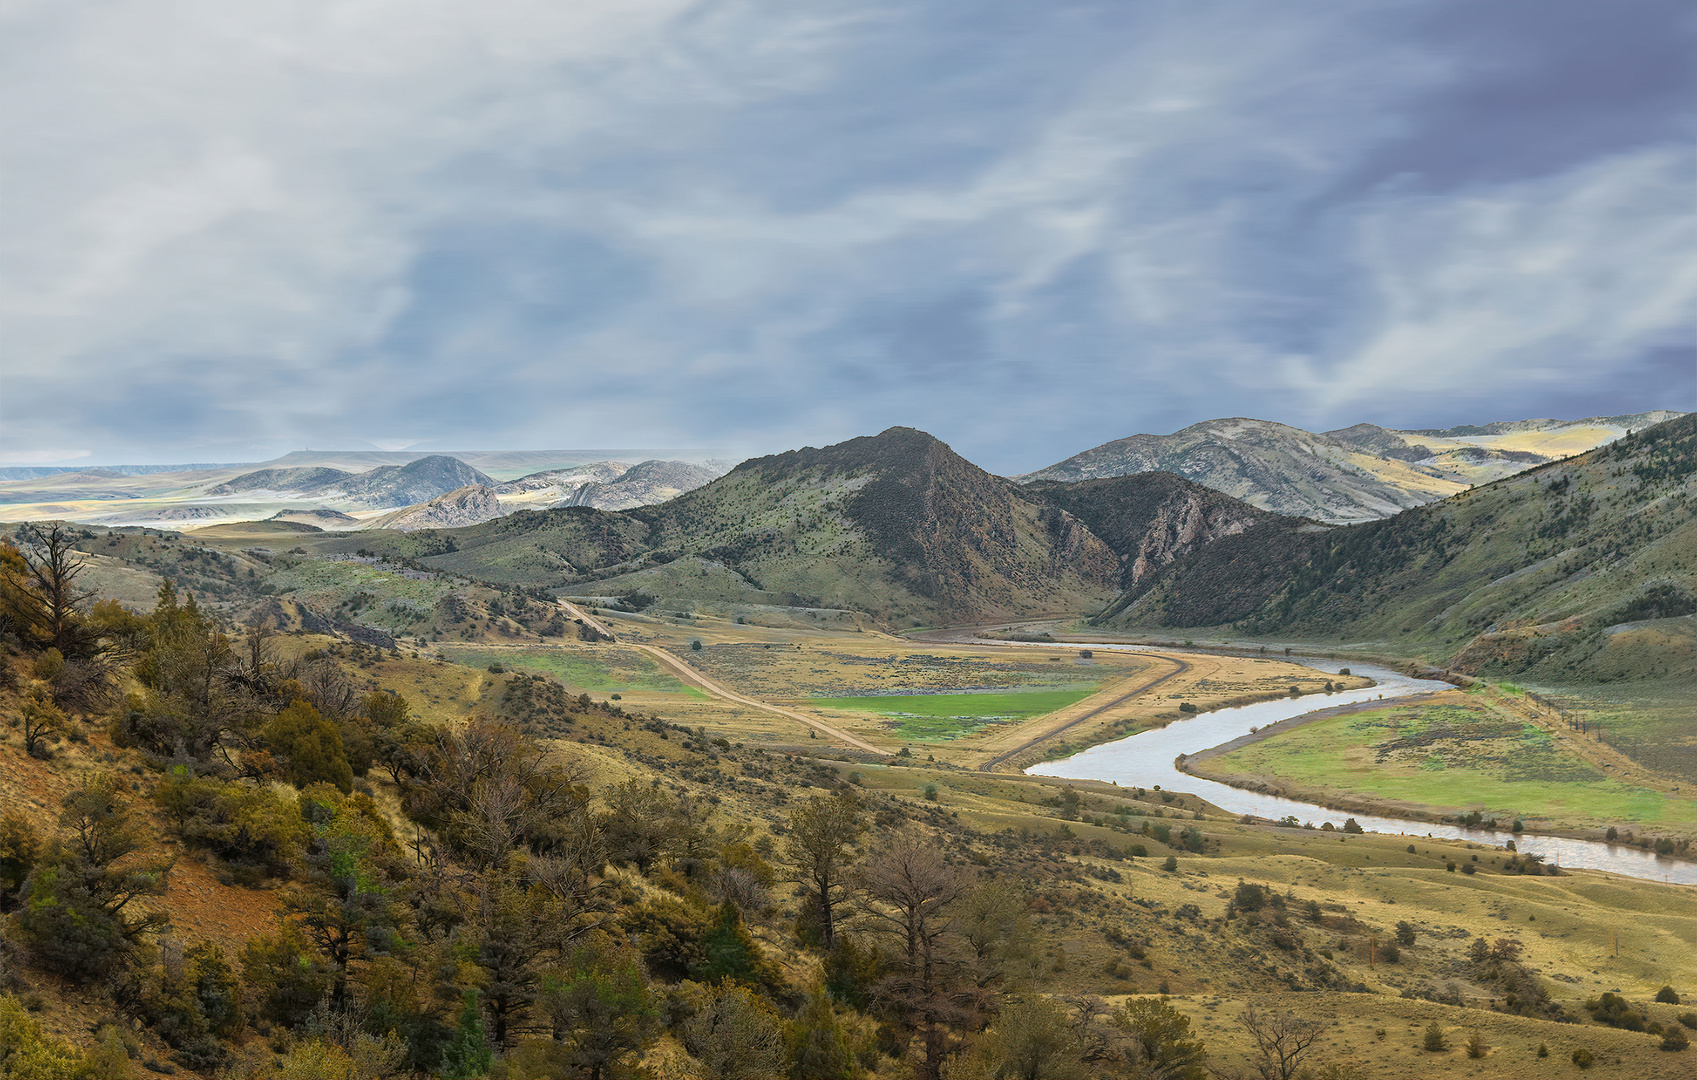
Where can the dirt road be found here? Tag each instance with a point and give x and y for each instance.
(708, 686)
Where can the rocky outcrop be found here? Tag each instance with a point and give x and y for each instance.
(470, 505)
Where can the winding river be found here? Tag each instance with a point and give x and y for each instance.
(1146, 760)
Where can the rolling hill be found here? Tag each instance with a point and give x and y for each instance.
(1584, 568)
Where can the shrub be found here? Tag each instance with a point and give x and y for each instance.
(1583, 1058)
(312, 746)
(1404, 933)
(1170, 865)
(1689, 1020)
(1675, 1039)
(1667, 995)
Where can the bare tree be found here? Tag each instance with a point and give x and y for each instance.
(46, 585)
(821, 832)
(911, 892)
(1282, 1039)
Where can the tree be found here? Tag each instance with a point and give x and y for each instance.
(1161, 1044)
(19, 848)
(817, 1049)
(1434, 1040)
(311, 746)
(76, 915)
(737, 1035)
(468, 1053)
(343, 904)
(488, 790)
(41, 718)
(1477, 1047)
(602, 1010)
(1282, 1039)
(821, 831)
(27, 1052)
(1033, 1039)
(911, 892)
(40, 582)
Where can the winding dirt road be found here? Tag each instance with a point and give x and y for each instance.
(708, 686)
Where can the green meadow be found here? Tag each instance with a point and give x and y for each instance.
(931, 717)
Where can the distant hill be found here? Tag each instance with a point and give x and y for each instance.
(644, 484)
(469, 505)
(1358, 473)
(387, 485)
(610, 485)
(1579, 569)
(896, 525)
(320, 518)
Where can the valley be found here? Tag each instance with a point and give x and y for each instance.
(600, 733)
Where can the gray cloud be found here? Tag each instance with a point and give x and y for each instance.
(1027, 228)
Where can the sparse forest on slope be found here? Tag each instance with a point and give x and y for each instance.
(1579, 569)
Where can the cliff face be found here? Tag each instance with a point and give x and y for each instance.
(1149, 519)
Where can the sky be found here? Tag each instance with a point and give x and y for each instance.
(229, 230)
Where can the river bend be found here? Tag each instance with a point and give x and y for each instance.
(1146, 760)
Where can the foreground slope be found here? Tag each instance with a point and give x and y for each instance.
(1579, 569)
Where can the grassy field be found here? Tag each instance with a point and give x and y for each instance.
(608, 669)
(928, 717)
(1449, 758)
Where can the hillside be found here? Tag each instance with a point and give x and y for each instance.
(1579, 570)
(1357, 473)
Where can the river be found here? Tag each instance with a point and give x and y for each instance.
(1146, 760)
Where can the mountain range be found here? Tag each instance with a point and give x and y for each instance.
(1543, 568)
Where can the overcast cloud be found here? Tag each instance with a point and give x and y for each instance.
(230, 230)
